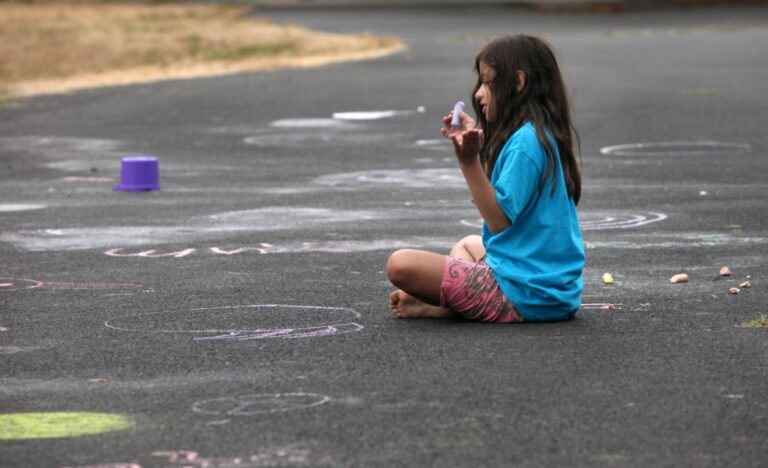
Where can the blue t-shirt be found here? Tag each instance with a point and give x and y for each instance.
(537, 260)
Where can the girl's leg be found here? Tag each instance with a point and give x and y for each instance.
(419, 274)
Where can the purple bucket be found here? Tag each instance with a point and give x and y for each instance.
(138, 174)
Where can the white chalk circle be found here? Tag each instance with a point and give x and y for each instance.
(601, 221)
(250, 405)
(244, 322)
(410, 178)
(13, 207)
(676, 148)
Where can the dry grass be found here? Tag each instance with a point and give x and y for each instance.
(760, 322)
(56, 46)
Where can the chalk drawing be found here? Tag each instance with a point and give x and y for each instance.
(283, 456)
(287, 139)
(299, 332)
(152, 253)
(86, 179)
(598, 221)
(609, 306)
(433, 142)
(311, 123)
(107, 465)
(373, 115)
(409, 178)
(276, 218)
(61, 147)
(89, 286)
(64, 153)
(52, 425)
(243, 322)
(260, 219)
(251, 405)
(262, 249)
(478, 223)
(204, 227)
(342, 246)
(313, 137)
(19, 349)
(13, 207)
(106, 237)
(602, 306)
(313, 131)
(3, 329)
(676, 148)
(16, 284)
(676, 241)
(590, 221)
(434, 145)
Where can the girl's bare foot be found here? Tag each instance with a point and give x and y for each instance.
(404, 305)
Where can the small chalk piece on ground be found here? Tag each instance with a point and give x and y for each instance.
(217, 423)
(725, 271)
(734, 290)
(745, 285)
(457, 109)
(607, 278)
(96, 381)
(679, 278)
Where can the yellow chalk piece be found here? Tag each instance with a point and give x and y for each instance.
(607, 278)
(23, 426)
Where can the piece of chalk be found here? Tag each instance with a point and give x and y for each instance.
(457, 109)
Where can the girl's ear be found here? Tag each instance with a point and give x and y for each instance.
(520, 80)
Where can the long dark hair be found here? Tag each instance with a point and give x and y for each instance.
(543, 100)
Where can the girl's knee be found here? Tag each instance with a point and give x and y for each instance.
(399, 266)
(471, 242)
(472, 239)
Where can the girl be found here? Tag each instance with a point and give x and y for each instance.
(519, 164)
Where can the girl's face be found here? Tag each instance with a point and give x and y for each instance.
(484, 94)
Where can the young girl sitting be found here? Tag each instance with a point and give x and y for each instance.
(519, 164)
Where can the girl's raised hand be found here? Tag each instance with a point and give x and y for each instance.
(466, 139)
(467, 145)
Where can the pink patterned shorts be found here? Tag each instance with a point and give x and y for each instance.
(470, 289)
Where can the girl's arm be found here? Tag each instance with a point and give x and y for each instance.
(466, 144)
(484, 196)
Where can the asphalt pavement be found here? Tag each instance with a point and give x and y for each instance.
(238, 316)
